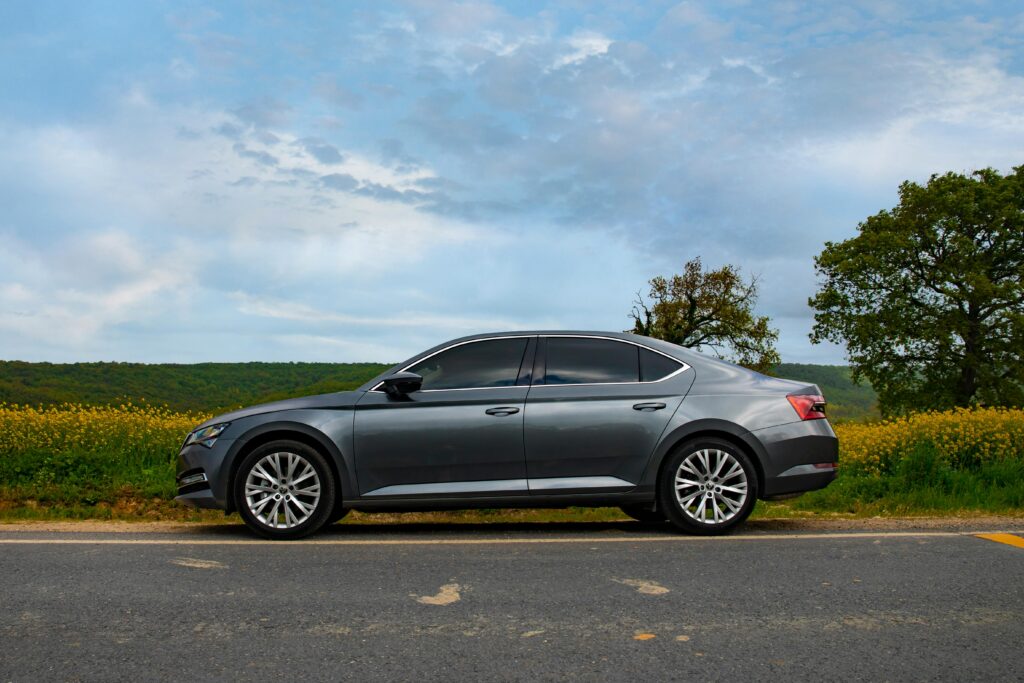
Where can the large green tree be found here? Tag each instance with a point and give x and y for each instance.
(712, 310)
(929, 296)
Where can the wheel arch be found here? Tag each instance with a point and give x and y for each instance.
(710, 428)
(294, 431)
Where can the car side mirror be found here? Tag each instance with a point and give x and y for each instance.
(402, 383)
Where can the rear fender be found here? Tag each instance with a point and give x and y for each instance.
(709, 427)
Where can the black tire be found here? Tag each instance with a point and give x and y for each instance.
(647, 514)
(707, 488)
(323, 506)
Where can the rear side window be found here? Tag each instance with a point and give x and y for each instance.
(488, 363)
(654, 366)
(573, 360)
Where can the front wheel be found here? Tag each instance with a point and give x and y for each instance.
(284, 490)
(707, 487)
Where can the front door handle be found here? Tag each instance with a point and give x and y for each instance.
(502, 411)
(648, 407)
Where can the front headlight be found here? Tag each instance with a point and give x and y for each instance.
(206, 436)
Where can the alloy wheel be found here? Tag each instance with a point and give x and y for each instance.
(282, 490)
(711, 486)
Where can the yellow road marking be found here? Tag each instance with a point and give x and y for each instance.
(489, 541)
(644, 636)
(1008, 539)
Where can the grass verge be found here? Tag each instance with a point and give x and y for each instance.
(115, 463)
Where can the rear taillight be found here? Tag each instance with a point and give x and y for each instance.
(808, 406)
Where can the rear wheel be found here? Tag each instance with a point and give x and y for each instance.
(284, 490)
(707, 487)
(644, 513)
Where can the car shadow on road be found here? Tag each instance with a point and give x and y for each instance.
(365, 529)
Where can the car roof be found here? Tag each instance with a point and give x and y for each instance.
(667, 347)
(674, 350)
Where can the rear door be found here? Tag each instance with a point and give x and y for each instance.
(595, 412)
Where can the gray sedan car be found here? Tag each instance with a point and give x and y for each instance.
(521, 419)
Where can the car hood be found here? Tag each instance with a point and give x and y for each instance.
(338, 399)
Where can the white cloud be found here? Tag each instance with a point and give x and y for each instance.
(72, 293)
(580, 46)
(961, 117)
(186, 227)
(538, 168)
(294, 310)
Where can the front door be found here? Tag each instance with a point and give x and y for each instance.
(462, 433)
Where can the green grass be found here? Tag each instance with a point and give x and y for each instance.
(88, 485)
(108, 486)
(923, 484)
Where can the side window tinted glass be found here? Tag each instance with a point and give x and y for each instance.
(654, 366)
(572, 360)
(490, 363)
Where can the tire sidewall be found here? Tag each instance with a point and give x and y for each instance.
(325, 506)
(669, 504)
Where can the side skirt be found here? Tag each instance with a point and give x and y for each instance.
(426, 504)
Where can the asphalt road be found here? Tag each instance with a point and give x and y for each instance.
(588, 602)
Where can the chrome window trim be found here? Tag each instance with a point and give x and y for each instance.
(683, 367)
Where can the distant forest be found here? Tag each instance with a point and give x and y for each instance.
(211, 387)
(846, 400)
(202, 387)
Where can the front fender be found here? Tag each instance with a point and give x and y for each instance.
(323, 435)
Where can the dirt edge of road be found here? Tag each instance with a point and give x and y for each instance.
(1004, 522)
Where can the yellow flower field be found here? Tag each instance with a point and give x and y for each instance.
(85, 460)
(961, 437)
(77, 428)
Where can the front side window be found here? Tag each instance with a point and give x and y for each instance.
(581, 360)
(488, 363)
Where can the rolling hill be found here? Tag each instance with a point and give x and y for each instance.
(209, 387)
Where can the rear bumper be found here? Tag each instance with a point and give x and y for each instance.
(799, 457)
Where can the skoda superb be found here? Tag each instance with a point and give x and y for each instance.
(521, 419)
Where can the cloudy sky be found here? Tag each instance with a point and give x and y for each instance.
(357, 181)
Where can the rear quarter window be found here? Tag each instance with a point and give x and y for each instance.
(654, 366)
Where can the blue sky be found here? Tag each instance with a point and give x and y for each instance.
(356, 181)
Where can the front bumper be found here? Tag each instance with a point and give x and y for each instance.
(210, 490)
(801, 456)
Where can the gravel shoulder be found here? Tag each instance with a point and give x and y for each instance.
(412, 523)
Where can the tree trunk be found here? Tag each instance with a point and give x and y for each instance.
(967, 384)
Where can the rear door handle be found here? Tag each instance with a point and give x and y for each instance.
(502, 411)
(648, 407)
